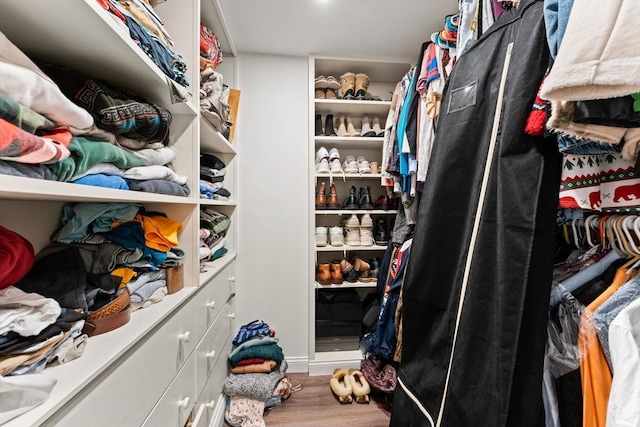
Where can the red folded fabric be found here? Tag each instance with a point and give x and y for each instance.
(251, 361)
(16, 257)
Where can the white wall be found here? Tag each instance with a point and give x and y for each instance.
(273, 194)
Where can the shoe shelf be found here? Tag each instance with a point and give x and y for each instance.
(350, 175)
(346, 285)
(357, 212)
(345, 248)
(212, 141)
(352, 107)
(351, 141)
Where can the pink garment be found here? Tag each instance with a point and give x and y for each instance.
(20, 146)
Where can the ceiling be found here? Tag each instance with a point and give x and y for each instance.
(346, 28)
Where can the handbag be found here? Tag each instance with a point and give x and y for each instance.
(251, 330)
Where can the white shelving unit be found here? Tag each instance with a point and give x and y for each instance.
(175, 350)
(327, 353)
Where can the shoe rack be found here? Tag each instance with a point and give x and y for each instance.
(339, 343)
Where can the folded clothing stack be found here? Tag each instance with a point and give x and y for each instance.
(212, 173)
(213, 231)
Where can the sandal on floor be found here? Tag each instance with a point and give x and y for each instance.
(341, 385)
(359, 385)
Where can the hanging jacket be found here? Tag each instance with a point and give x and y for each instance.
(477, 287)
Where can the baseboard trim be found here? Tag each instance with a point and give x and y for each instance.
(327, 366)
(298, 364)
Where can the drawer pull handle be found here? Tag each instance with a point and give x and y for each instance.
(232, 316)
(183, 403)
(211, 404)
(184, 337)
(211, 354)
(211, 304)
(232, 278)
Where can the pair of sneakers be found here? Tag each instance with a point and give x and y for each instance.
(359, 165)
(328, 161)
(359, 231)
(333, 236)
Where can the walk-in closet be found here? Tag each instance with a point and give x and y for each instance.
(317, 213)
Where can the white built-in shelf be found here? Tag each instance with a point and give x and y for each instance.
(350, 175)
(345, 248)
(352, 107)
(350, 141)
(382, 71)
(212, 141)
(100, 352)
(210, 269)
(93, 43)
(357, 212)
(346, 285)
(21, 188)
(213, 202)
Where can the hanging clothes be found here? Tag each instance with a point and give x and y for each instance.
(478, 280)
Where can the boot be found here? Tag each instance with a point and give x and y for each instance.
(351, 130)
(365, 198)
(336, 273)
(366, 128)
(328, 126)
(351, 202)
(361, 86)
(376, 127)
(318, 125)
(342, 128)
(347, 85)
(381, 235)
(333, 203)
(323, 274)
(321, 198)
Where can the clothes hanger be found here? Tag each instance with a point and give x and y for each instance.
(578, 239)
(587, 229)
(627, 226)
(621, 237)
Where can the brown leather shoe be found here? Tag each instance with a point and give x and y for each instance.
(336, 272)
(321, 198)
(333, 202)
(323, 274)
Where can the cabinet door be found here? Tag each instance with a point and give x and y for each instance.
(211, 299)
(173, 409)
(210, 350)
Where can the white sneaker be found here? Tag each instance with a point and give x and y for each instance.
(363, 165)
(322, 153)
(321, 236)
(366, 222)
(336, 236)
(352, 222)
(350, 165)
(335, 167)
(323, 166)
(366, 237)
(334, 154)
(353, 237)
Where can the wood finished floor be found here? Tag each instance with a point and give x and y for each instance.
(315, 406)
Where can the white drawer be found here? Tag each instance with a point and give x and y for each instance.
(210, 350)
(212, 297)
(125, 393)
(176, 404)
(211, 403)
